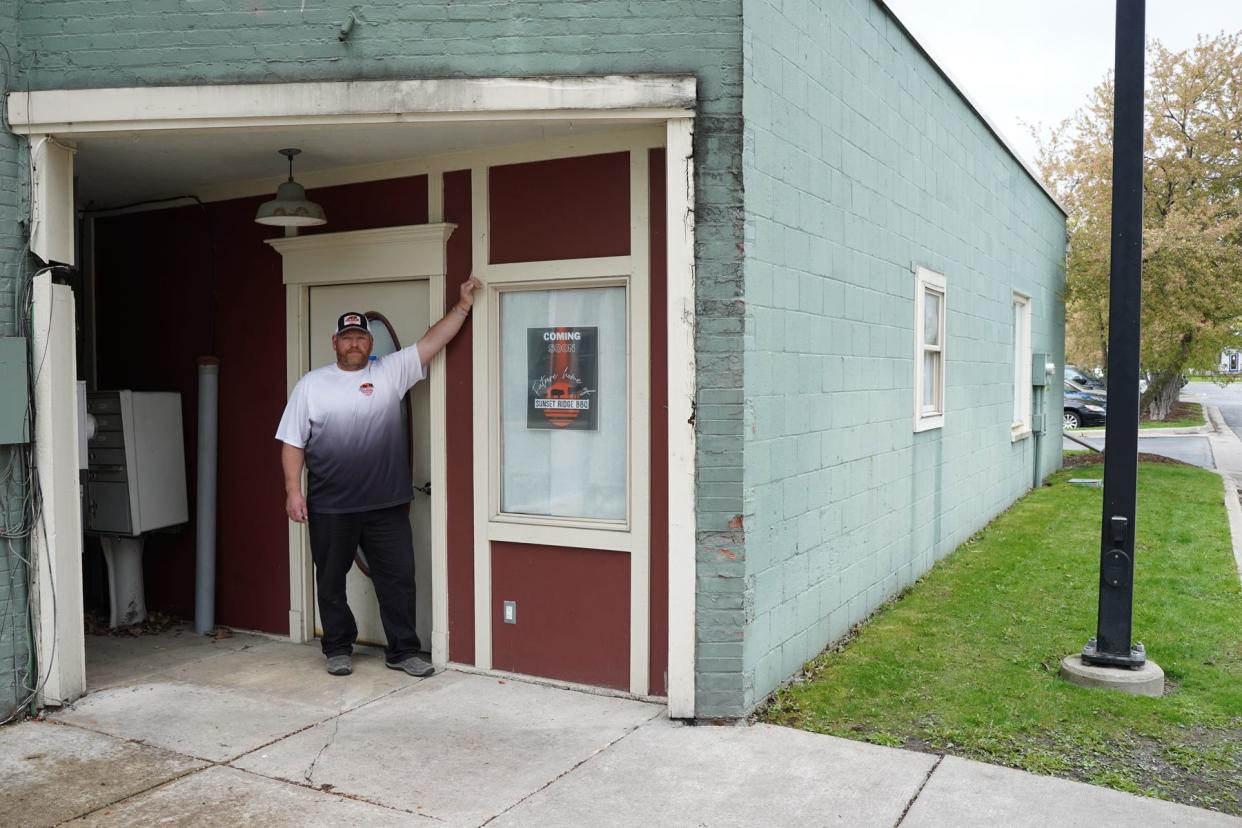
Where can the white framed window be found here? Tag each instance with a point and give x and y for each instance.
(929, 352)
(1021, 366)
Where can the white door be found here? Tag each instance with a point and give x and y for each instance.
(406, 308)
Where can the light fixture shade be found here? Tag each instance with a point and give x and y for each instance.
(290, 208)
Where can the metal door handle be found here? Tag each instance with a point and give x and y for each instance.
(425, 488)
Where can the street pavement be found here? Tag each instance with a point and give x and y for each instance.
(1227, 398)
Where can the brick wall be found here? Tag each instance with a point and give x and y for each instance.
(860, 161)
(14, 618)
(102, 43)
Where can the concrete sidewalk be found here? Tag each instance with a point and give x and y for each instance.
(183, 730)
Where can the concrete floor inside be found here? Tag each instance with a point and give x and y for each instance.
(181, 729)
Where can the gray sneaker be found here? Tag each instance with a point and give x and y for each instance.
(413, 665)
(340, 665)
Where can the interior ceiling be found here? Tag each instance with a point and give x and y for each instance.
(114, 169)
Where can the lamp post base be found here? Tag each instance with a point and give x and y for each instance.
(1146, 680)
(1091, 654)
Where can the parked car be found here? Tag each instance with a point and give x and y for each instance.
(1083, 380)
(1092, 383)
(1082, 408)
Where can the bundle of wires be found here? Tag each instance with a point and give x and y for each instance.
(19, 479)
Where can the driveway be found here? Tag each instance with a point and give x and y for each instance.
(1192, 448)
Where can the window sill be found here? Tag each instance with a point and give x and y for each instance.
(927, 423)
(1019, 432)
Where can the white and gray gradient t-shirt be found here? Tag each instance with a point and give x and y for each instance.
(349, 424)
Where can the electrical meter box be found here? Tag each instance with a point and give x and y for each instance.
(135, 477)
(1041, 369)
(14, 396)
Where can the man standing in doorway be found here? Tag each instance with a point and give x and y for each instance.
(343, 422)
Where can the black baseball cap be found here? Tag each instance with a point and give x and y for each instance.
(353, 321)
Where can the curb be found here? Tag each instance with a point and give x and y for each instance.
(1148, 432)
(1227, 451)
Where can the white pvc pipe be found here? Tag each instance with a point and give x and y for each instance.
(205, 511)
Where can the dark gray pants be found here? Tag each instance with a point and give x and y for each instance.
(388, 544)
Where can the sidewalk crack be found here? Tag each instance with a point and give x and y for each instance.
(336, 728)
(919, 792)
(570, 770)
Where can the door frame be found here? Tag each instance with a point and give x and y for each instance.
(405, 254)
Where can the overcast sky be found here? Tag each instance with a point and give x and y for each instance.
(1037, 60)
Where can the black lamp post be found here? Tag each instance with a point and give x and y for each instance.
(1112, 645)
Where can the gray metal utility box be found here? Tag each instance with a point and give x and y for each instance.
(135, 479)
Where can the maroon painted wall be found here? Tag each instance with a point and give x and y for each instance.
(153, 288)
(460, 424)
(567, 208)
(573, 613)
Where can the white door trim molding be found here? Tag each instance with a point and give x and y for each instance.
(88, 111)
(415, 252)
(56, 544)
(679, 160)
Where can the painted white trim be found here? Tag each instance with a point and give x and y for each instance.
(439, 485)
(350, 258)
(640, 419)
(682, 511)
(923, 280)
(554, 274)
(56, 545)
(549, 533)
(484, 301)
(614, 97)
(392, 253)
(297, 363)
(52, 222)
(1022, 367)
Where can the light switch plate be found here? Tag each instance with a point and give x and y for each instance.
(510, 612)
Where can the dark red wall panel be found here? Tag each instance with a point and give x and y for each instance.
(567, 208)
(460, 404)
(395, 202)
(154, 296)
(659, 426)
(573, 613)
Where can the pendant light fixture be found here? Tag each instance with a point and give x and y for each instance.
(290, 207)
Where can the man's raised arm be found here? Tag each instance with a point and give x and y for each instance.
(439, 334)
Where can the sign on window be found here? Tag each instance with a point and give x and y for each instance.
(562, 378)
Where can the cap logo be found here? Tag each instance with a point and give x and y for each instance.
(351, 319)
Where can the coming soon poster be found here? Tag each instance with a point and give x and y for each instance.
(562, 378)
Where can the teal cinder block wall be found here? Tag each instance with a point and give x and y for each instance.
(105, 43)
(14, 614)
(860, 161)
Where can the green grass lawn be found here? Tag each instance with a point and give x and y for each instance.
(967, 661)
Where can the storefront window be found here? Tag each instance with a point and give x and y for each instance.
(564, 403)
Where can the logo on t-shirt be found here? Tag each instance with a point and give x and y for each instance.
(367, 389)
